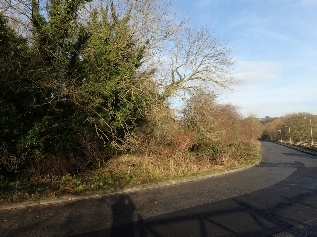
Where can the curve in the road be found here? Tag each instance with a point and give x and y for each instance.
(274, 198)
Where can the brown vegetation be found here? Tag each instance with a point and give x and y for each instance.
(85, 91)
(296, 128)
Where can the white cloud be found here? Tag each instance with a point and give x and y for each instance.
(272, 88)
(275, 99)
(277, 36)
(309, 2)
(251, 72)
(277, 52)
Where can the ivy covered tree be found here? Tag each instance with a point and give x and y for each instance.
(114, 92)
(80, 80)
(76, 87)
(16, 94)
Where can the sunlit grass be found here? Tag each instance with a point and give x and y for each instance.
(126, 171)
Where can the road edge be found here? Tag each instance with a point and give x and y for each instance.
(300, 149)
(73, 198)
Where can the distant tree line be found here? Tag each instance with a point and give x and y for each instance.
(294, 128)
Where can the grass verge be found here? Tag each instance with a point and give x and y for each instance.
(129, 171)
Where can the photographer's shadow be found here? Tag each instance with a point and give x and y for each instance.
(123, 212)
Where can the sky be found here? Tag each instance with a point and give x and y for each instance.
(275, 50)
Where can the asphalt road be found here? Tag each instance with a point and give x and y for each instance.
(276, 198)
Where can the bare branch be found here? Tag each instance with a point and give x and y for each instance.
(197, 57)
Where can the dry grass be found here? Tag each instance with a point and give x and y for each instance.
(169, 164)
(129, 170)
(163, 149)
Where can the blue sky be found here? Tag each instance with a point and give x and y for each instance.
(275, 43)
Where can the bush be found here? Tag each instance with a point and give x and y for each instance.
(161, 133)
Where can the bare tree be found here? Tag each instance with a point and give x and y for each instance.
(18, 15)
(151, 21)
(183, 57)
(196, 58)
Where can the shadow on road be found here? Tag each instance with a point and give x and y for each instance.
(261, 213)
(123, 210)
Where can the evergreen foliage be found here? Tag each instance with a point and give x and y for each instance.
(73, 93)
(78, 93)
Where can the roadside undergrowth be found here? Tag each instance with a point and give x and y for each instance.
(132, 170)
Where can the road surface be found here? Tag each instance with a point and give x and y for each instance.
(276, 198)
